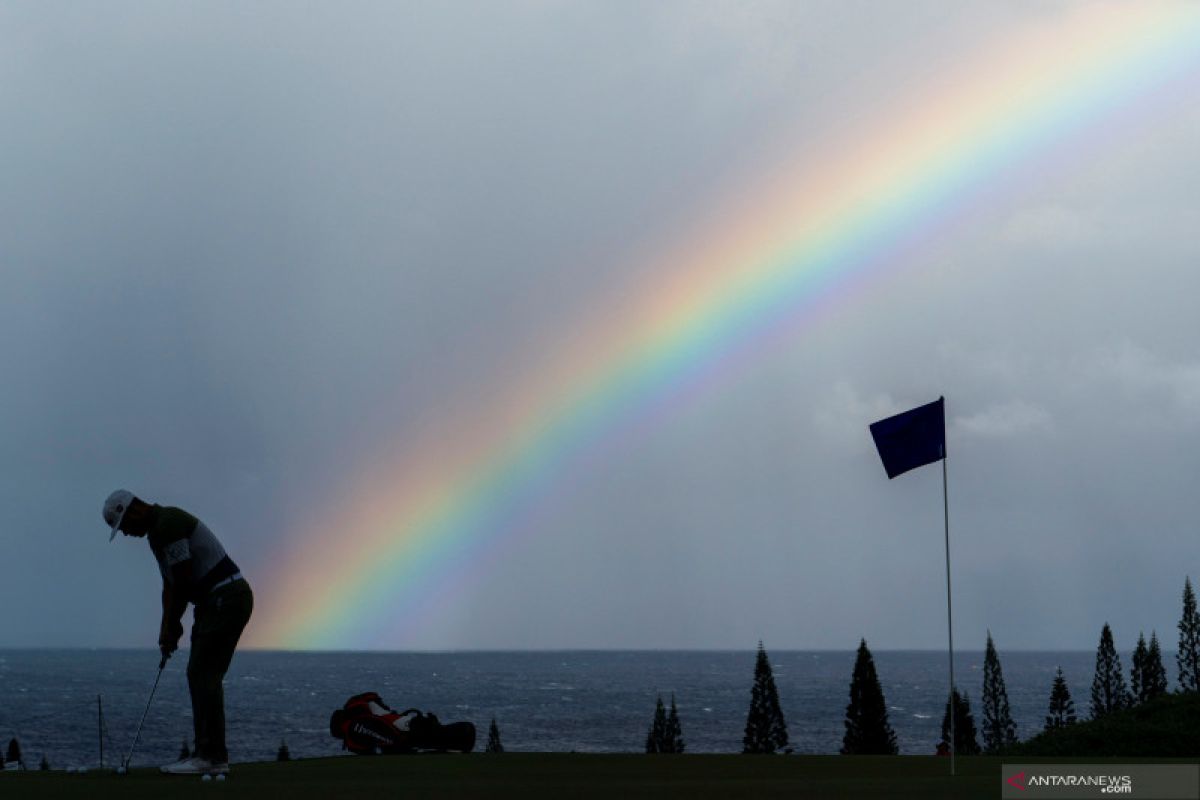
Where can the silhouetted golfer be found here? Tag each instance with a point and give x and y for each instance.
(194, 569)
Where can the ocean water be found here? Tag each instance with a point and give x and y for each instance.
(584, 701)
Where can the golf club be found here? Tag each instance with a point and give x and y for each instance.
(161, 665)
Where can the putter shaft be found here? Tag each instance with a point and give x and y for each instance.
(149, 700)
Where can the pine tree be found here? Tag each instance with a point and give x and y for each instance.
(44, 766)
(14, 753)
(1108, 685)
(1148, 678)
(1062, 707)
(673, 741)
(184, 753)
(655, 739)
(868, 731)
(283, 754)
(1188, 657)
(493, 742)
(1155, 672)
(766, 730)
(999, 730)
(1137, 673)
(965, 741)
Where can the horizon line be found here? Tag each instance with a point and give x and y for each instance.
(550, 650)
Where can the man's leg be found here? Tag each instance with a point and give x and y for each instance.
(219, 622)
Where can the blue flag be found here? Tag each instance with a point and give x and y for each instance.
(912, 439)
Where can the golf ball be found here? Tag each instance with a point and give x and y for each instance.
(221, 777)
(206, 777)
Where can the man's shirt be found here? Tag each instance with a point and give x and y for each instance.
(187, 551)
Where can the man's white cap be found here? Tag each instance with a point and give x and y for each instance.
(114, 509)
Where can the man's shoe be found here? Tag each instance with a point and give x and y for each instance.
(196, 765)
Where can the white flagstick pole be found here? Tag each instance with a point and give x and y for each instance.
(949, 612)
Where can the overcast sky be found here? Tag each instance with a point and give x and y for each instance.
(246, 247)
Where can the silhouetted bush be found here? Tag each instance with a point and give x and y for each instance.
(1166, 727)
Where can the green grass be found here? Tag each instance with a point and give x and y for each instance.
(573, 776)
(1167, 727)
(558, 776)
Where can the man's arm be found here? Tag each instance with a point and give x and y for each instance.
(174, 603)
(175, 594)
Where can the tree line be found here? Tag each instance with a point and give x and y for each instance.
(868, 731)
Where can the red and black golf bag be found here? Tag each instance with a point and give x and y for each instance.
(367, 726)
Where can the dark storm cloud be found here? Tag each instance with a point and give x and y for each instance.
(246, 248)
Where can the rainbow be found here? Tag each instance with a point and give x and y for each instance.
(825, 224)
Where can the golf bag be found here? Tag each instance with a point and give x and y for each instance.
(367, 726)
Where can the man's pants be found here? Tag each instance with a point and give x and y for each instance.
(217, 625)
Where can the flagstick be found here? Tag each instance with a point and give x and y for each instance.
(949, 612)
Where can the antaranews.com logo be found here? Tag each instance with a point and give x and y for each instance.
(1107, 784)
(1160, 781)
